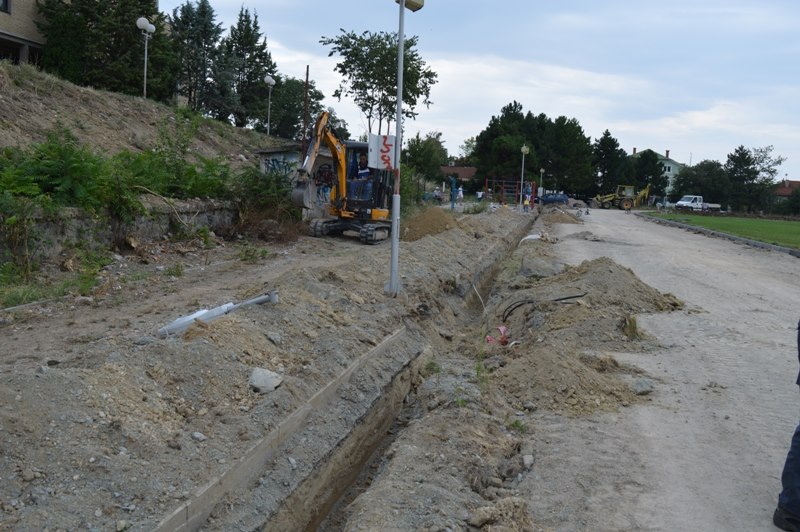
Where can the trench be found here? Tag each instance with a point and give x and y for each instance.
(312, 492)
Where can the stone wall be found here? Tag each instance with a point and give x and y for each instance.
(75, 228)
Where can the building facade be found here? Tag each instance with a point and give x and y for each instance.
(20, 40)
(671, 167)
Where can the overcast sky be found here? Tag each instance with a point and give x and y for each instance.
(695, 77)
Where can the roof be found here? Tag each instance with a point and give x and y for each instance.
(786, 187)
(463, 173)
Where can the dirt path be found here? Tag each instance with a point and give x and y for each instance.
(706, 452)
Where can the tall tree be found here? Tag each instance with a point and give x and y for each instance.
(610, 163)
(369, 69)
(241, 62)
(571, 165)
(706, 178)
(752, 175)
(648, 170)
(426, 155)
(288, 106)
(196, 34)
(97, 43)
(743, 175)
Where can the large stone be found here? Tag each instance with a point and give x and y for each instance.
(264, 381)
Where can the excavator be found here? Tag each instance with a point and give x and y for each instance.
(625, 197)
(360, 205)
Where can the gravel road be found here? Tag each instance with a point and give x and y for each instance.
(707, 451)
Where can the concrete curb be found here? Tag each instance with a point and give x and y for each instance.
(717, 234)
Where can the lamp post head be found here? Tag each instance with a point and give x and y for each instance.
(269, 80)
(413, 5)
(143, 24)
(525, 150)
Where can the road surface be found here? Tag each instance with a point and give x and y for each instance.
(706, 453)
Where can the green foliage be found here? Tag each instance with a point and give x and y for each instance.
(98, 44)
(288, 108)
(267, 193)
(427, 155)
(648, 169)
(241, 62)
(369, 71)
(176, 270)
(557, 146)
(611, 164)
(707, 179)
(476, 208)
(516, 425)
(252, 254)
(21, 241)
(196, 34)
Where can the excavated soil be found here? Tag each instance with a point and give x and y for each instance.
(106, 426)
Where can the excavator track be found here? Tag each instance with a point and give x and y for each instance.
(372, 234)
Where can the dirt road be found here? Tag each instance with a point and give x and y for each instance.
(707, 451)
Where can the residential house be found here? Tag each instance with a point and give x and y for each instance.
(671, 167)
(20, 40)
(463, 173)
(785, 189)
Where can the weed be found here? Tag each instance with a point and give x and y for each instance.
(476, 208)
(460, 401)
(430, 368)
(252, 254)
(176, 270)
(517, 425)
(204, 234)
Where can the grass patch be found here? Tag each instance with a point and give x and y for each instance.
(779, 232)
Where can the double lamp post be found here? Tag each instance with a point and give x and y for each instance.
(147, 31)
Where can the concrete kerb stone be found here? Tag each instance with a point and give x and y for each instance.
(732, 238)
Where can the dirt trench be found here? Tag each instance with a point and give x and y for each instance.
(106, 426)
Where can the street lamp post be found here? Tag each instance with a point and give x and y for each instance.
(270, 81)
(525, 150)
(393, 286)
(541, 182)
(147, 31)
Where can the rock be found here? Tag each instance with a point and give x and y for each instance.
(199, 436)
(275, 338)
(27, 474)
(643, 386)
(122, 525)
(527, 461)
(144, 340)
(264, 381)
(293, 462)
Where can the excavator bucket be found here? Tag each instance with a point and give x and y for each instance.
(304, 194)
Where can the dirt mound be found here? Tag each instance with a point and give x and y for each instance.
(549, 353)
(430, 221)
(555, 215)
(108, 122)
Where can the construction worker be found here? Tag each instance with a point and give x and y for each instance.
(787, 514)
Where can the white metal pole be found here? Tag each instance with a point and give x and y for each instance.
(269, 111)
(393, 287)
(146, 38)
(521, 180)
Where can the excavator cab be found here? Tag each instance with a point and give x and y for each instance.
(358, 200)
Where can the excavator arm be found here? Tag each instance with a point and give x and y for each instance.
(303, 195)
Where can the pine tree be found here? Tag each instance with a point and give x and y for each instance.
(197, 36)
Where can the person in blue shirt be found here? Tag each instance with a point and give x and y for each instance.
(787, 514)
(362, 184)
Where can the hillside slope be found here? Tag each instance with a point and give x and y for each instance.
(33, 103)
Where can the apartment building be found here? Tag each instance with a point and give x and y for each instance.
(20, 40)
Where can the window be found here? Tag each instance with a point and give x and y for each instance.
(4, 5)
